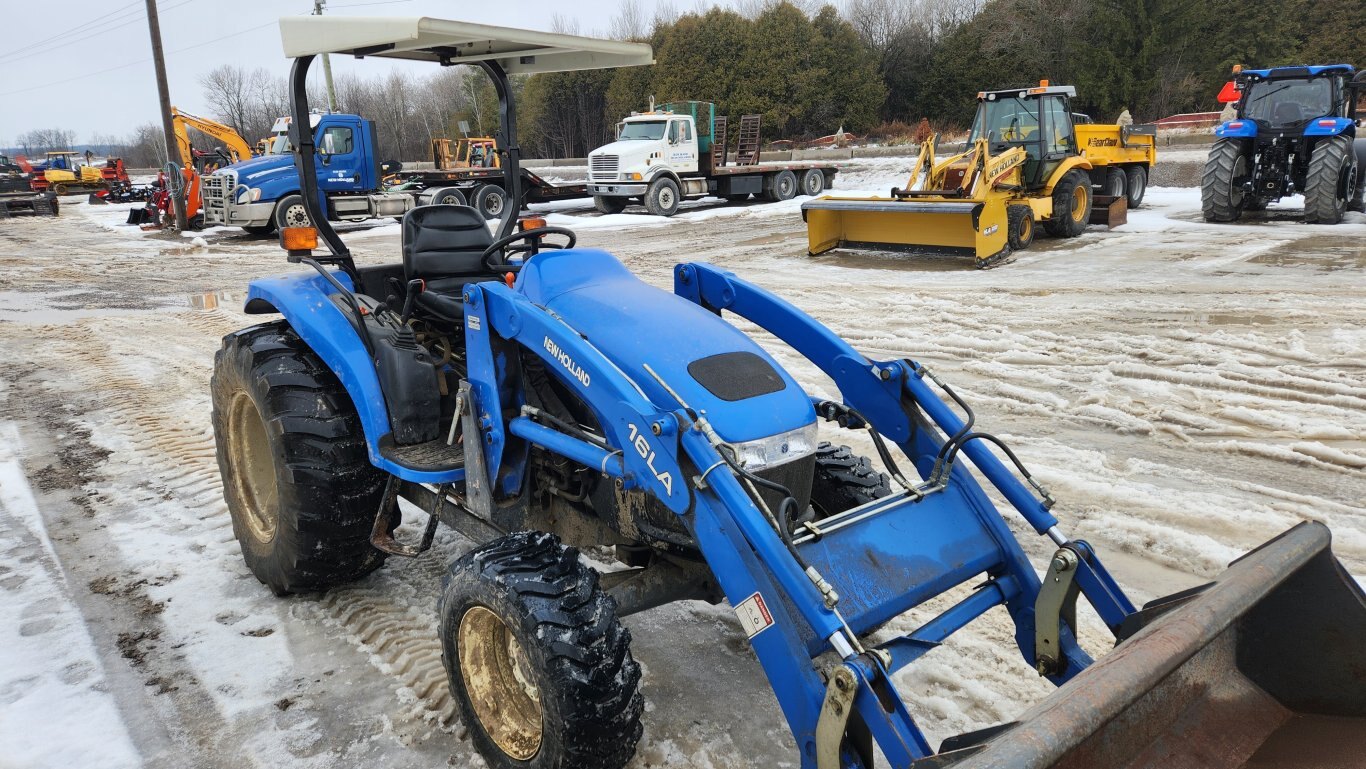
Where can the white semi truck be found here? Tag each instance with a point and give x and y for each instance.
(678, 151)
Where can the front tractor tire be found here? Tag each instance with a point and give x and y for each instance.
(537, 662)
(1331, 182)
(1019, 227)
(844, 480)
(296, 476)
(1071, 205)
(1221, 188)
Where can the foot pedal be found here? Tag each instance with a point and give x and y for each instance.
(388, 518)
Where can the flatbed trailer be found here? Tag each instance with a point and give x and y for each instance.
(28, 203)
(679, 151)
(483, 188)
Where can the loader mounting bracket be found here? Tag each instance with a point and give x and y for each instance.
(1057, 603)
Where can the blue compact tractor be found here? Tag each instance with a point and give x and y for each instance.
(537, 398)
(1296, 133)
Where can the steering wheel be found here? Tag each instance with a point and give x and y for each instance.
(528, 247)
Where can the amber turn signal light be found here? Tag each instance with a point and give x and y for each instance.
(298, 238)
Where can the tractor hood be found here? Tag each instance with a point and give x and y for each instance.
(710, 363)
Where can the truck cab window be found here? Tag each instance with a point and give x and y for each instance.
(336, 140)
(673, 131)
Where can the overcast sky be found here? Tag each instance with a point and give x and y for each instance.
(100, 80)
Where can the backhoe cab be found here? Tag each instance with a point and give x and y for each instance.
(1025, 162)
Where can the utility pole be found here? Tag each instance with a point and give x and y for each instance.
(327, 62)
(167, 124)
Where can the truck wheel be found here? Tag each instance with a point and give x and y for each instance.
(1071, 205)
(1221, 188)
(448, 196)
(1136, 186)
(1019, 227)
(290, 212)
(296, 476)
(813, 182)
(780, 186)
(1331, 182)
(1116, 183)
(490, 200)
(263, 229)
(661, 197)
(536, 660)
(609, 205)
(844, 480)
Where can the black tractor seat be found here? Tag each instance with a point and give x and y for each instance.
(443, 245)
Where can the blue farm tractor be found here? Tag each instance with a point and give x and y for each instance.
(1296, 132)
(536, 397)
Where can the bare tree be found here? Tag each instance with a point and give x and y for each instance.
(630, 23)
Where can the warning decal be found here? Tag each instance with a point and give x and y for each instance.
(754, 616)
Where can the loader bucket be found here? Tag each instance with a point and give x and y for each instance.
(936, 225)
(1263, 668)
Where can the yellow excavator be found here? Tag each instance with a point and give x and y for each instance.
(234, 145)
(235, 149)
(1025, 163)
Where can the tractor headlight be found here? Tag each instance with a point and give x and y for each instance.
(777, 449)
(633, 177)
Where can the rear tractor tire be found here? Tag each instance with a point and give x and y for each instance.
(536, 660)
(609, 205)
(844, 480)
(661, 197)
(1221, 190)
(296, 475)
(1071, 205)
(1331, 182)
(1019, 227)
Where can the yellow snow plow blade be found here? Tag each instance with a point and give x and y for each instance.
(960, 227)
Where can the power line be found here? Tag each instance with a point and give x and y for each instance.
(139, 61)
(135, 18)
(65, 33)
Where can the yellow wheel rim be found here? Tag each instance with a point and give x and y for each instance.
(1026, 229)
(1081, 200)
(252, 466)
(498, 680)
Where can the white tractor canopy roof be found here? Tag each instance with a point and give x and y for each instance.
(455, 42)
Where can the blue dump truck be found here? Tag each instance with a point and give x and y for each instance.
(262, 194)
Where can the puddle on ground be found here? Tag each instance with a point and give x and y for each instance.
(1324, 252)
(1227, 318)
(1269, 216)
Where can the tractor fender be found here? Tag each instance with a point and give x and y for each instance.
(1061, 171)
(304, 299)
(1236, 129)
(659, 171)
(1330, 126)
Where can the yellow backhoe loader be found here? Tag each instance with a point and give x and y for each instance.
(1025, 164)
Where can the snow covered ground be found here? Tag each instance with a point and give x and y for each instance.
(1185, 390)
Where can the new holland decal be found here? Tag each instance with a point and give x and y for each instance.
(574, 369)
